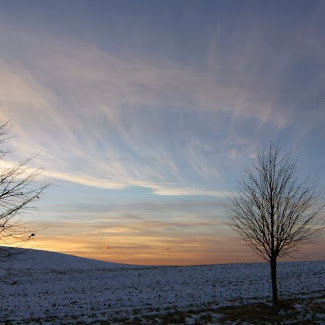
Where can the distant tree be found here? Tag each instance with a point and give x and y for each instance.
(18, 189)
(275, 211)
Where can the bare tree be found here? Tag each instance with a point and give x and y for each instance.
(275, 211)
(18, 189)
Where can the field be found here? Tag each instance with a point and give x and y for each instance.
(208, 294)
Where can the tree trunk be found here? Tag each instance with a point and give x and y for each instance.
(274, 281)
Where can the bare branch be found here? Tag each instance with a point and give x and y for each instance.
(17, 193)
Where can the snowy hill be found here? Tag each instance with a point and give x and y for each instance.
(43, 260)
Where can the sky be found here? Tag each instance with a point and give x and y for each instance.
(144, 113)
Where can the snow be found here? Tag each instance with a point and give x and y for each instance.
(87, 290)
(43, 260)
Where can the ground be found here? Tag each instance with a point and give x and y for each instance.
(210, 294)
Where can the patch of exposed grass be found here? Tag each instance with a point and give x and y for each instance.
(298, 311)
(173, 318)
(293, 311)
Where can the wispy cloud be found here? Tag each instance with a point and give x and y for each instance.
(115, 121)
(98, 128)
(130, 115)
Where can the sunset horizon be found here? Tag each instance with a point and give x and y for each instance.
(144, 116)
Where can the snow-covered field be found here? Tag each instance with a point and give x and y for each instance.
(72, 294)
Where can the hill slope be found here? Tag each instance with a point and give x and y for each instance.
(43, 260)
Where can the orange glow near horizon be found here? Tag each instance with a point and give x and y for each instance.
(154, 252)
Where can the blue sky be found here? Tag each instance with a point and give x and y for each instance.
(145, 112)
